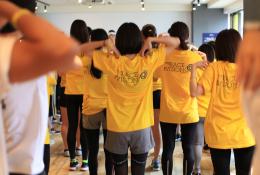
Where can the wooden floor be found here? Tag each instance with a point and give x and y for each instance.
(60, 164)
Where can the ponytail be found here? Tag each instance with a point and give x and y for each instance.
(95, 72)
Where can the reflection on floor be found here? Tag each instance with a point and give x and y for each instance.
(59, 164)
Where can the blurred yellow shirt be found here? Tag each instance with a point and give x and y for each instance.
(177, 106)
(130, 105)
(75, 80)
(51, 83)
(225, 125)
(95, 92)
(203, 101)
(63, 80)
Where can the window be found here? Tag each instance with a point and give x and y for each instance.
(237, 21)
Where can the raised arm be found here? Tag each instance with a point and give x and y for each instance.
(196, 89)
(89, 47)
(43, 48)
(169, 42)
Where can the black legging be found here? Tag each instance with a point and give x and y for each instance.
(168, 137)
(138, 162)
(74, 106)
(221, 160)
(46, 158)
(93, 145)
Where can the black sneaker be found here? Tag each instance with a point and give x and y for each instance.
(156, 165)
(74, 164)
(84, 165)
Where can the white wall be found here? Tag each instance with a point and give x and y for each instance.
(112, 20)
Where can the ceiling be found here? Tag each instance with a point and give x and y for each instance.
(74, 2)
(134, 5)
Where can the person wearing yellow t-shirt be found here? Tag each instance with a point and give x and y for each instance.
(149, 30)
(94, 108)
(129, 88)
(203, 102)
(177, 107)
(51, 83)
(74, 95)
(226, 128)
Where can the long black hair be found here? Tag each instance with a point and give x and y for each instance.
(97, 35)
(79, 31)
(180, 30)
(27, 4)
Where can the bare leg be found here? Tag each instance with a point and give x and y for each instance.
(64, 126)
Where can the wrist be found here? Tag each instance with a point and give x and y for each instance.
(18, 15)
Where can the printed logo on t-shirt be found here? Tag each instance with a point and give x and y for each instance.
(177, 67)
(131, 79)
(229, 82)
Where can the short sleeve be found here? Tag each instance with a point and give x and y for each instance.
(158, 56)
(104, 61)
(207, 79)
(6, 48)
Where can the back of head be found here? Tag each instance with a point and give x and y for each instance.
(209, 51)
(79, 31)
(98, 35)
(149, 30)
(180, 30)
(129, 39)
(26, 4)
(227, 43)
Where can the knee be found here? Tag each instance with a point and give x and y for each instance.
(119, 160)
(139, 160)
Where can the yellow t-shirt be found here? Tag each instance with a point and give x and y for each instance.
(95, 92)
(130, 105)
(74, 80)
(63, 80)
(203, 101)
(51, 83)
(157, 84)
(225, 125)
(177, 106)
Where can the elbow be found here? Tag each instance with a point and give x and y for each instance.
(193, 94)
(68, 51)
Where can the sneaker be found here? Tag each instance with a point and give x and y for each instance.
(66, 153)
(193, 173)
(78, 152)
(74, 164)
(156, 165)
(178, 138)
(84, 165)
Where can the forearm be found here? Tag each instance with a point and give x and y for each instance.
(91, 46)
(193, 82)
(168, 41)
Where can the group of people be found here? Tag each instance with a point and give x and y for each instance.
(132, 86)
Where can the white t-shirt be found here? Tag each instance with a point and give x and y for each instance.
(25, 122)
(251, 102)
(6, 47)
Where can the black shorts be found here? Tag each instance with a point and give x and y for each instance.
(156, 99)
(63, 97)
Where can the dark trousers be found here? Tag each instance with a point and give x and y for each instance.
(74, 107)
(93, 145)
(168, 137)
(221, 160)
(120, 162)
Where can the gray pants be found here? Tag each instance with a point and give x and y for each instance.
(140, 141)
(198, 144)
